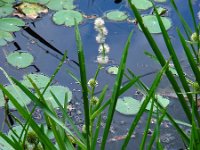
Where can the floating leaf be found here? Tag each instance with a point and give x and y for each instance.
(4, 145)
(20, 59)
(59, 92)
(151, 22)
(163, 101)
(117, 15)
(18, 129)
(37, 1)
(8, 1)
(161, 11)
(6, 10)
(161, 1)
(39, 79)
(5, 37)
(18, 94)
(67, 17)
(142, 4)
(128, 106)
(11, 24)
(112, 70)
(60, 4)
(30, 10)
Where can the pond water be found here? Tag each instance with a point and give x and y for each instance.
(63, 38)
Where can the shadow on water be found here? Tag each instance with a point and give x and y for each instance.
(48, 42)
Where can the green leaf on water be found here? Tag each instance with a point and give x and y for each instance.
(151, 22)
(60, 4)
(6, 10)
(113, 70)
(4, 145)
(39, 79)
(59, 92)
(161, 11)
(116, 15)
(5, 37)
(30, 10)
(128, 106)
(18, 94)
(163, 101)
(160, 1)
(67, 17)
(18, 129)
(11, 24)
(20, 59)
(142, 4)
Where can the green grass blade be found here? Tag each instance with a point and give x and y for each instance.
(143, 106)
(155, 133)
(96, 134)
(55, 72)
(83, 84)
(162, 61)
(176, 63)
(23, 112)
(115, 92)
(142, 145)
(46, 110)
(190, 57)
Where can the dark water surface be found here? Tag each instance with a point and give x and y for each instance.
(63, 38)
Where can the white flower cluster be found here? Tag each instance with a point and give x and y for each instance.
(104, 48)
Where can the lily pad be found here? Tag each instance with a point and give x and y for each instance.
(6, 10)
(163, 101)
(60, 4)
(5, 37)
(20, 59)
(18, 129)
(128, 106)
(151, 22)
(112, 70)
(161, 1)
(59, 92)
(4, 145)
(37, 1)
(11, 24)
(161, 11)
(142, 4)
(67, 17)
(117, 15)
(18, 94)
(39, 79)
(30, 10)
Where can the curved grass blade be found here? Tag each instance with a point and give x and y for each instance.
(144, 104)
(115, 93)
(161, 60)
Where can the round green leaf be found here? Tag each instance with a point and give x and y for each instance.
(30, 10)
(142, 4)
(18, 94)
(39, 79)
(18, 129)
(112, 70)
(4, 145)
(161, 11)
(67, 17)
(5, 37)
(60, 4)
(128, 106)
(20, 59)
(151, 22)
(116, 15)
(11, 24)
(163, 101)
(161, 1)
(59, 92)
(6, 10)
